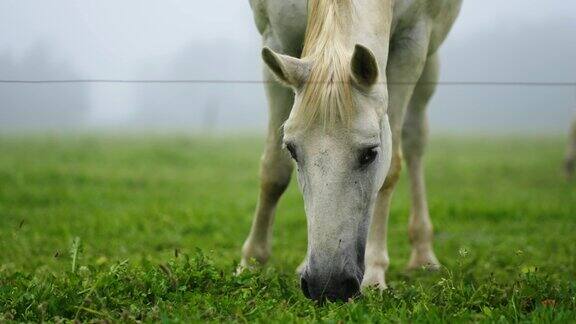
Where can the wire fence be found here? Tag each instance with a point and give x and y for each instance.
(210, 113)
(217, 81)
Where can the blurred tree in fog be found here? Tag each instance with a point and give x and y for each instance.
(204, 106)
(40, 106)
(532, 53)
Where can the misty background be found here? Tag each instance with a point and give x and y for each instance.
(493, 41)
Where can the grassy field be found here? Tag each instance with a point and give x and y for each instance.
(129, 228)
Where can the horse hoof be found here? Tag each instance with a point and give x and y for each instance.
(427, 262)
(374, 279)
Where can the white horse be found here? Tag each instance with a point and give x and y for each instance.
(570, 162)
(348, 82)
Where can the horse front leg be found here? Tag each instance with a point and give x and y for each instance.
(275, 172)
(405, 66)
(376, 257)
(414, 138)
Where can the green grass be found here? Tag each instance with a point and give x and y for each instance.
(128, 228)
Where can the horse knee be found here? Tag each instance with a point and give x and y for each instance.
(414, 137)
(273, 188)
(393, 174)
(420, 230)
(275, 174)
(413, 148)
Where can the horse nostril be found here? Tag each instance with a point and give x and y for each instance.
(336, 288)
(350, 288)
(305, 289)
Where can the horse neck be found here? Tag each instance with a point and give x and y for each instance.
(347, 23)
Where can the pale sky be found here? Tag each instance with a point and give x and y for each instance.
(120, 38)
(111, 38)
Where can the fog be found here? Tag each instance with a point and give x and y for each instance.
(493, 41)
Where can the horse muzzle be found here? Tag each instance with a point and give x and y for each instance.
(338, 282)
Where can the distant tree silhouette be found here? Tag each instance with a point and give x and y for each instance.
(40, 106)
(204, 107)
(508, 54)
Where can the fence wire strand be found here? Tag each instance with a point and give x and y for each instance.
(216, 81)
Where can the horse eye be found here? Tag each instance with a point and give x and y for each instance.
(368, 156)
(290, 147)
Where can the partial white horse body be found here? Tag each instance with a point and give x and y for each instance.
(348, 82)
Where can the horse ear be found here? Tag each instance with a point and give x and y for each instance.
(364, 66)
(288, 70)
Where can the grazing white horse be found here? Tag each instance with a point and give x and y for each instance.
(570, 163)
(348, 82)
